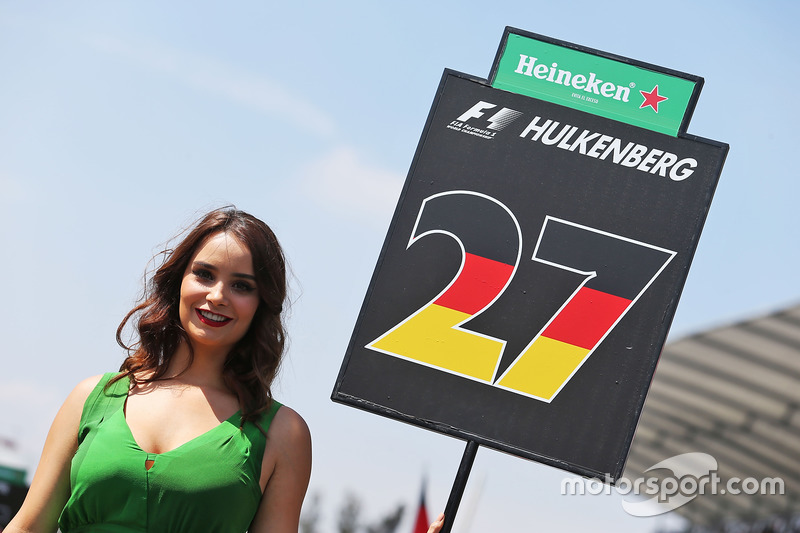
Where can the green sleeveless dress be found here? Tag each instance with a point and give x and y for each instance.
(209, 484)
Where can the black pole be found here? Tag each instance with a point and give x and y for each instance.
(459, 485)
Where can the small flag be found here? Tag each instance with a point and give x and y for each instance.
(421, 524)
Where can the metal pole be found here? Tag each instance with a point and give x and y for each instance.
(459, 485)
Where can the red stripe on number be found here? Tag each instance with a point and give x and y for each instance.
(586, 318)
(480, 281)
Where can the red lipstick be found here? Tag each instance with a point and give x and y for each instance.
(213, 323)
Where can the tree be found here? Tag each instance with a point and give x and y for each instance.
(389, 523)
(349, 517)
(309, 518)
(349, 514)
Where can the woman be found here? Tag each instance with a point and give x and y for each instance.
(187, 436)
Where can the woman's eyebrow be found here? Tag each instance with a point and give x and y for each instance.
(202, 264)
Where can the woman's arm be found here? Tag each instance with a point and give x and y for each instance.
(286, 470)
(49, 490)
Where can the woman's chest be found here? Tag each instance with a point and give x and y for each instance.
(164, 419)
(113, 478)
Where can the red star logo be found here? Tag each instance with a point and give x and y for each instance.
(652, 99)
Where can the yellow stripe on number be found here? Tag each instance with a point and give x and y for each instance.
(543, 368)
(429, 337)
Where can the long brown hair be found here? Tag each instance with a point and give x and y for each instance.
(252, 364)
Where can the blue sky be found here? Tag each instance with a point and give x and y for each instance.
(122, 121)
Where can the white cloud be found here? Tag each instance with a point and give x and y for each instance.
(244, 88)
(344, 182)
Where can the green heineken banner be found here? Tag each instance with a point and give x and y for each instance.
(621, 89)
(536, 257)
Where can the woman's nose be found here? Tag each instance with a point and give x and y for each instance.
(216, 293)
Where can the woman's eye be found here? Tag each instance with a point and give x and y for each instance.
(203, 274)
(243, 286)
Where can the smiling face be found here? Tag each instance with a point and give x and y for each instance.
(219, 296)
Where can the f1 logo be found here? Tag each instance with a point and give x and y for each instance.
(497, 122)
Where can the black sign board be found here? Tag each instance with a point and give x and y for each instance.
(11, 498)
(529, 277)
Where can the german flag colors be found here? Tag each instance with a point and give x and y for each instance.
(616, 270)
(432, 336)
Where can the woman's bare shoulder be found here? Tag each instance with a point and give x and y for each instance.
(49, 489)
(285, 473)
(289, 427)
(87, 385)
(83, 389)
